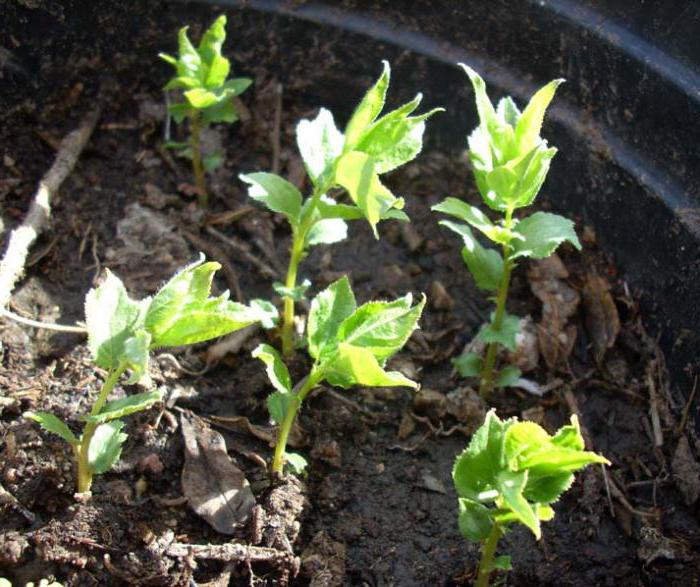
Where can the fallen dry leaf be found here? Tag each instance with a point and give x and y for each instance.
(602, 319)
(216, 489)
(686, 472)
(555, 336)
(526, 355)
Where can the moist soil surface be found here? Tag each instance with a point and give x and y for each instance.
(377, 505)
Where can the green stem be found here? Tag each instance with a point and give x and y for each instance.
(82, 451)
(282, 436)
(488, 552)
(197, 167)
(299, 236)
(291, 282)
(487, 372)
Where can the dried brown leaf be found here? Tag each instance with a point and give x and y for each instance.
(602, 318)
(216, 489)
(686, 472)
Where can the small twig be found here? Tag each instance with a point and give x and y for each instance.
(8, 499)
(229, 552)
(170, 357)
(606, 482)
(654, 406)
(244, 250)
(276, 130)
(45, 325)
(13, 263)
(168, 160)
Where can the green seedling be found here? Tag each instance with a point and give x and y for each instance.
(512, 472)
(510, 162)
(201, 74)
(349, 345)
(121, 334)
(353, 162)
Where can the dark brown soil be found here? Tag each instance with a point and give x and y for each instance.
(379, 505)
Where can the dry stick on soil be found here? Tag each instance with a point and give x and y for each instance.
(244, 250)
(686, 409)
(12, 265)
(653, 405)
(230, 552)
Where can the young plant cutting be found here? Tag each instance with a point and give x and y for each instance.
(326, 434)
(121, 334)
(352, 161)
(350, 346)
(512, 472)
(202, 76)
(510, 162)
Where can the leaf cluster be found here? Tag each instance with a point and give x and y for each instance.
(123, 331)
(513, 471)
(350, 345)
(353, 161)
(201, 74)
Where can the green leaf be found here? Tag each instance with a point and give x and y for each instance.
(476, 467)
(237, 85)
(168, 59)
(213, 161)
(485, 265)
(468, 365)
(353, 365)
(51, 423)
(328, 310)
(183, 313)
(105, 447)
(503, 563)
(570, 436)
(368, 109)
(296, 293)
(179, 112)
(505, 335)
(136, 355)
(189, 62)
(125, 406)
(277, 371)
(320, 143)
(278, 405)
(356, 173)
(111, 318)
(222, 111)
(327, 232)
(532, 170)
(382, 328)
(213, 39)
(508, 111)
(182, 82)
(542, 233)
(276, 193)
(527, 132)
(471, 215)
(475, 522)
(510, 485)
(219, 69)
(502, 181)
(507, 376)
(200, 98)
(396, 138)
(295, 462)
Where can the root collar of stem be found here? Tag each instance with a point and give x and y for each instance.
(197, 166)
(84, 481)
(286, 426)
(488, 552)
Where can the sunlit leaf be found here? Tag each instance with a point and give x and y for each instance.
(277, 371)
(320, 144)
(276, 193)
(368, 109)
(542, 233)
(328, 310)
(53, 424)
(352, 365)
(106, 447)
(125, 406)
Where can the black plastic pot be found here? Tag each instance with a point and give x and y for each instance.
(627, 121)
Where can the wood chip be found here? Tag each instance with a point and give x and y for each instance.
(602, 318)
